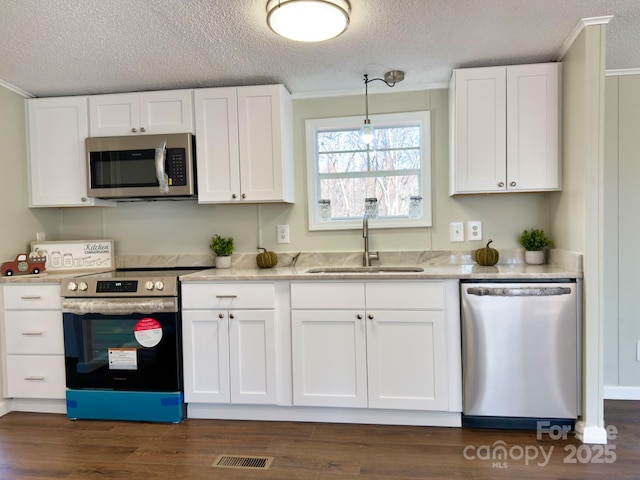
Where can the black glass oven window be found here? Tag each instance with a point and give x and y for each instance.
(90, 339)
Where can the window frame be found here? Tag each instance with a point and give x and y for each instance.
(313, 125)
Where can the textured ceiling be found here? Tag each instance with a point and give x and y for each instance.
(73, 47)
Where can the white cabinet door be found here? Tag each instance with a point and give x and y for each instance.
(478, 130)
(407, 360)
(252, 353)
(265, 129)
(533, 141)
(329, 358)
(217, 147)
(167, 111)
(244, 144)
(57, 129)
(114, 114)
(505, 129)
(206, 356)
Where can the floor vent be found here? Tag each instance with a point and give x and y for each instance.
(238, 461)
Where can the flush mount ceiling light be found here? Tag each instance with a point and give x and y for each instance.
(308, 20)
(390, 79)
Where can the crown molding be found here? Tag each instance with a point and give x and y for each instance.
(15, 89)
(622, 71)
(584, 22)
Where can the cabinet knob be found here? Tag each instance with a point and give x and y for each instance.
(512, 184)
(244, 195)
(83, 199)
(134, 130)
(359, 316)
(501, 184)
(142, 130)
(221, 315)
(231, 315)
(370, 316)
(234, 196)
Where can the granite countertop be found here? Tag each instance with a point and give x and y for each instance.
(436, 264)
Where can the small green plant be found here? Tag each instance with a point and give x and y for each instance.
(535, 240)
(221, 246)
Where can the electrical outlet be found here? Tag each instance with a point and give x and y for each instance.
(474, 230)
(282, 233)
(40, 236)
(456, 231)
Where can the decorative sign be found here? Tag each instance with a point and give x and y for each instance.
(75, 255)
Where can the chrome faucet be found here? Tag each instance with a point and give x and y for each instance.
(367, 256)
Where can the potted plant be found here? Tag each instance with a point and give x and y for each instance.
(534, 242)
(223, 248)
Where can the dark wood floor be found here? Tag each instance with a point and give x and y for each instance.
(46, 446)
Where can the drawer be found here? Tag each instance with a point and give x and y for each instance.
(228, 295)
(35, 332)
(30, 376)
(32, 297)
(333, 295)
(423, 295)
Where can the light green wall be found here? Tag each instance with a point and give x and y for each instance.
(622, 263)
(577, 211)
(169, 227)
(18, 223)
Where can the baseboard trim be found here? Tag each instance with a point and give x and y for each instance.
(616, 392)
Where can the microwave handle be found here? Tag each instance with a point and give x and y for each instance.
(163, 179)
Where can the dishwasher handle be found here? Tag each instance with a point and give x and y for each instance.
(519, 291)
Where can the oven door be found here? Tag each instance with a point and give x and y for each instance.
(116, 349)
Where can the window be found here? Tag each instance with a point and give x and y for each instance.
(389, 179)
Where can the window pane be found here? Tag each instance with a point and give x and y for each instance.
(342, 162)
(347, 194)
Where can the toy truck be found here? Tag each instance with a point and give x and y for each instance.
(24, 264)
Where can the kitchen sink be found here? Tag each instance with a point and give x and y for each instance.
(372, 269)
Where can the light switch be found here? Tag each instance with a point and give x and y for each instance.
(456, 232)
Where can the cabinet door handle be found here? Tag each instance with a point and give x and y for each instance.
(32, 333)
(244, 195)
(134, 130)
(501, 184)
(234, 196)
(34, 377)
(142, 130)
(31, 297)
(512, 184)
(370, 316)
(231, 315)
(359, 316)
(221, 315)
(226, 296)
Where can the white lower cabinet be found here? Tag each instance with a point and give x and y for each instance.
(379, 345)
(33, 342)
(229, 342)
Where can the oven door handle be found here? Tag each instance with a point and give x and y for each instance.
(119, 306)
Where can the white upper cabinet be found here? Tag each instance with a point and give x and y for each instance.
(167, 111)
(57, 129)
(505, 129)
(244, 144)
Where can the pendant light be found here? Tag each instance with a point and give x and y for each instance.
(390, 79)
(308, 20)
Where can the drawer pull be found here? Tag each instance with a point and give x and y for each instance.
(34, 377)
(33, 333)
(226, 296)
(31, 297)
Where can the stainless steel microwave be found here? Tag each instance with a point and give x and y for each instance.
(141, 166)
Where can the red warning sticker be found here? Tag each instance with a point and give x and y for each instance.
(148, 332)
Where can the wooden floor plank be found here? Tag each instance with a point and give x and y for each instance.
(48, 446)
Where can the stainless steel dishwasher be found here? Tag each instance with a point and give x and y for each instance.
(520, 347)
